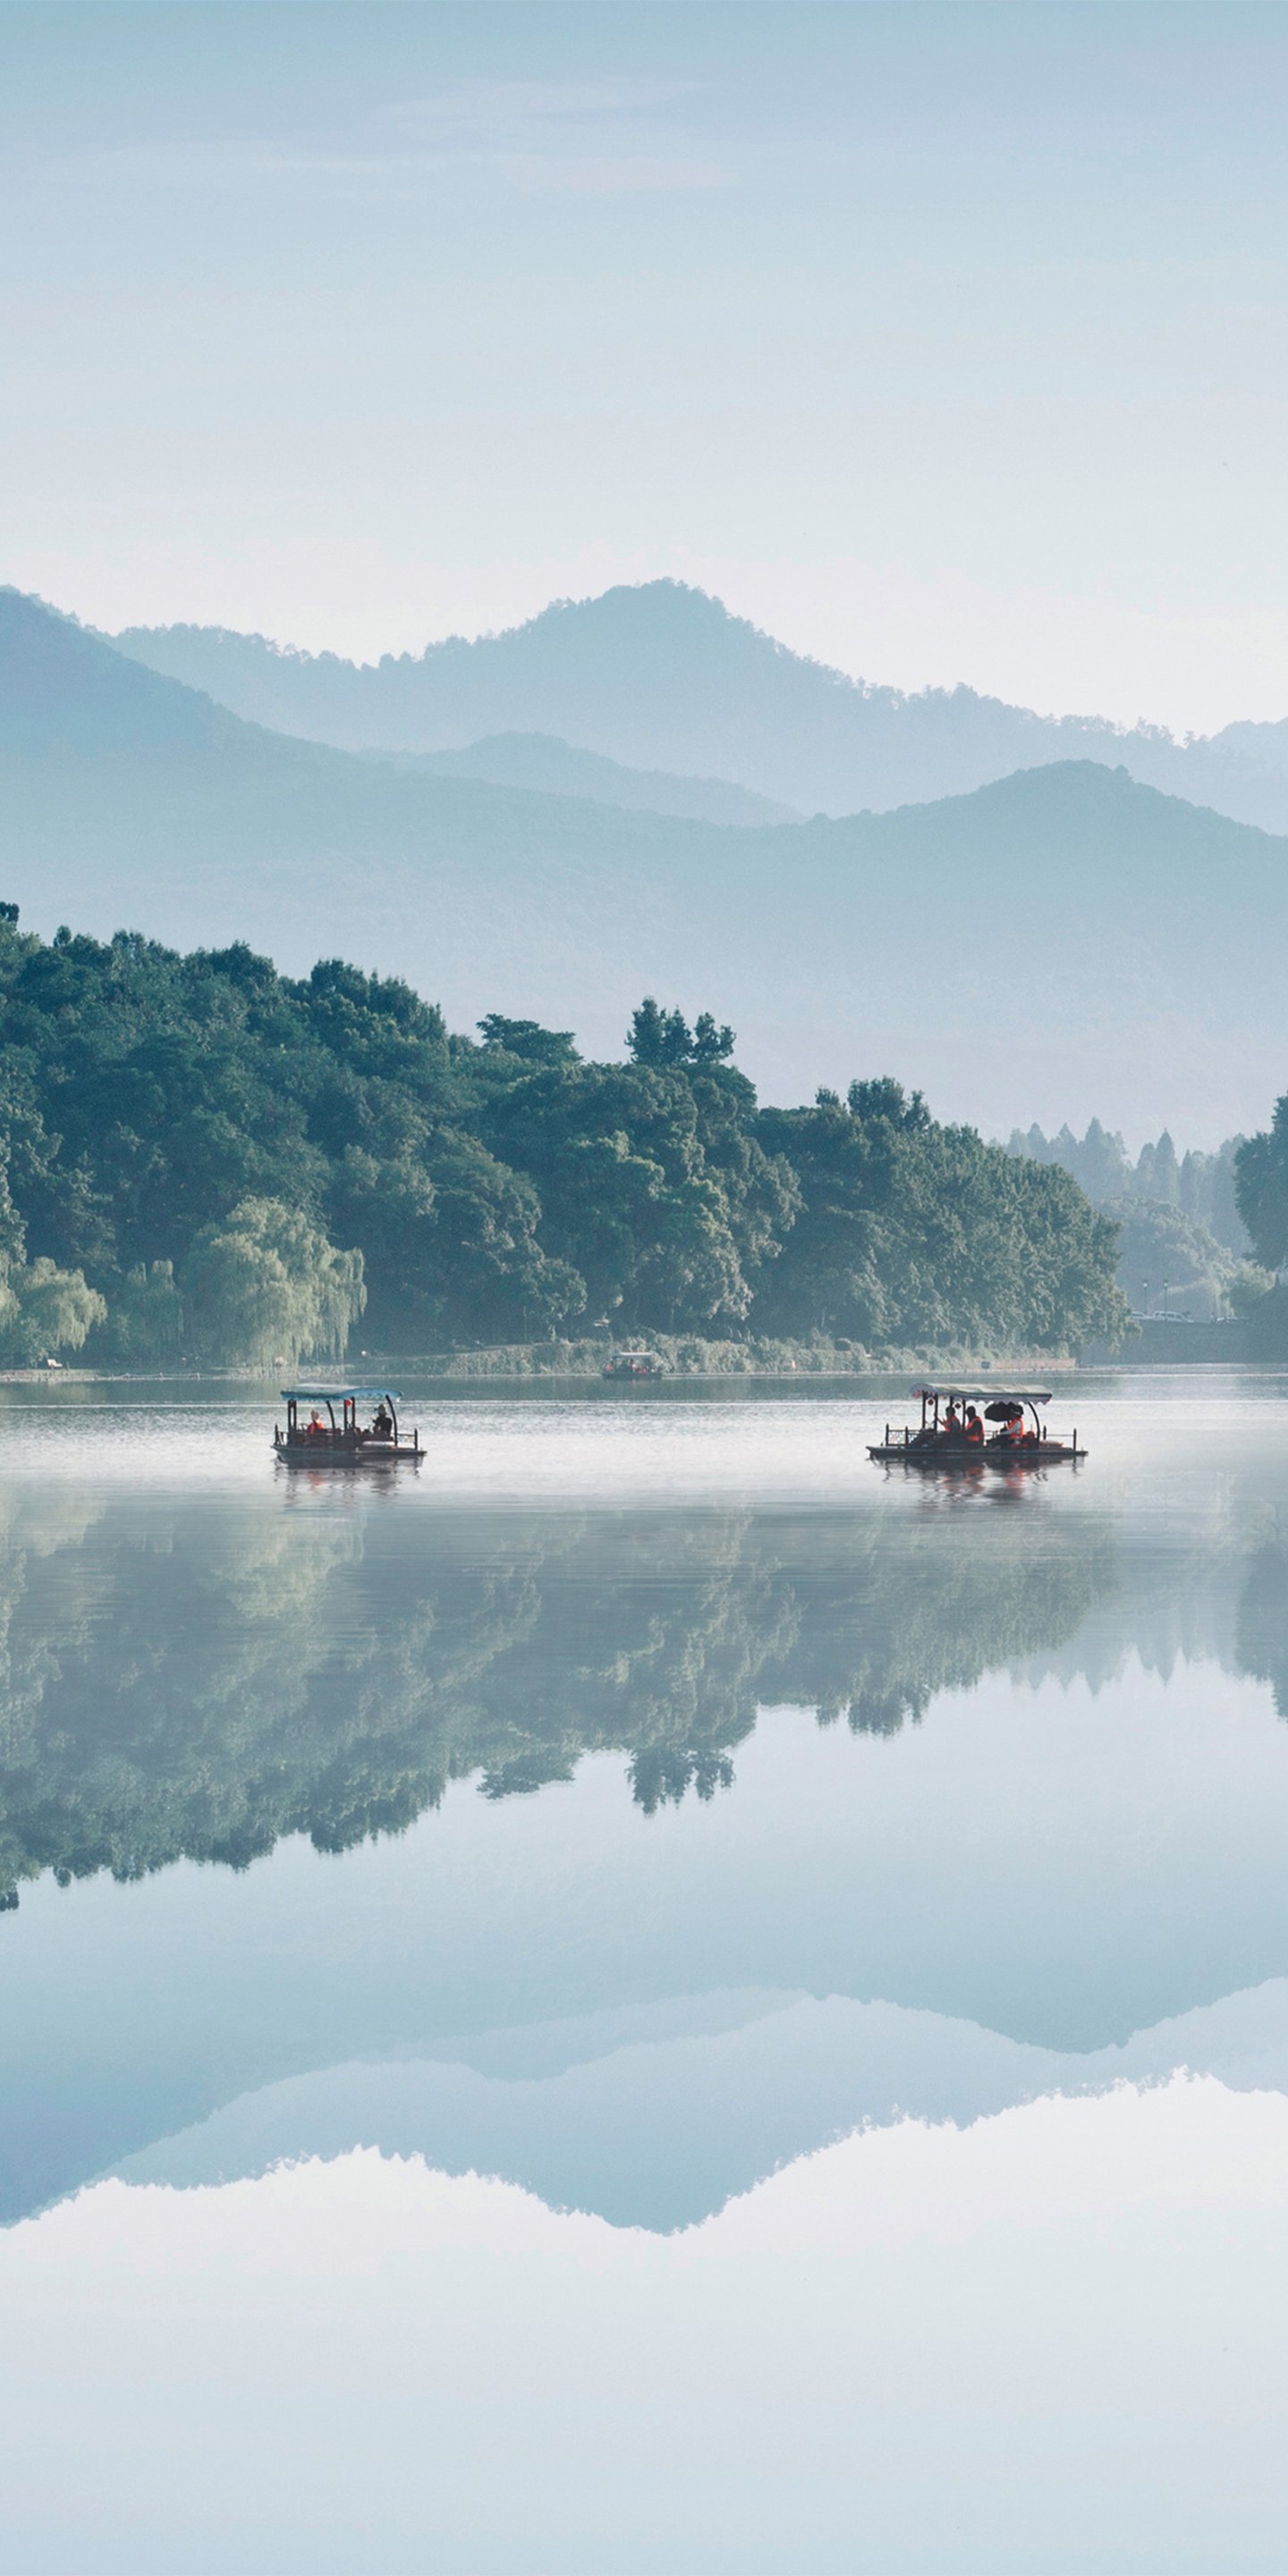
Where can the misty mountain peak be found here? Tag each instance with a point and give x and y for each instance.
(660, 676)
(61, 684)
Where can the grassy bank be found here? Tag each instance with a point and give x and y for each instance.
(682, 1355)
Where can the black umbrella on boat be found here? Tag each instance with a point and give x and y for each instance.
(1003, 1413)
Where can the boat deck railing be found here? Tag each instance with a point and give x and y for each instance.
(954, 1444)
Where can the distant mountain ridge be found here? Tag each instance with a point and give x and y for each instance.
(1061, 943)
(554, 768)
(661, 676)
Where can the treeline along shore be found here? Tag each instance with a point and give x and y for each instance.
(206, 1162)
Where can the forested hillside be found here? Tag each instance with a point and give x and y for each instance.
(204, 1158)
(1061, 942)
(1202, 1186)
(1181, 1237)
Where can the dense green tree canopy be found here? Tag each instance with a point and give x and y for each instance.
(199, 1155)
(913, 1233)
(1261, 1168)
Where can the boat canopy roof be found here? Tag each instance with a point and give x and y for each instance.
(985, 1394)
(340, 1394)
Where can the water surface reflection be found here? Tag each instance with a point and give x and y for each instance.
(197, 1678)
(743, 1934)
(533, 1966)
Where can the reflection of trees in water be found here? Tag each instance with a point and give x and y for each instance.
(915, 1611)
(35, 1547)
(1262, 1637)
(201, 1677)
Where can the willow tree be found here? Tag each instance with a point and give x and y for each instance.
(44, 1310)
(264, 1285)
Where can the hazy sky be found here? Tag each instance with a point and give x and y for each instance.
(947, 341)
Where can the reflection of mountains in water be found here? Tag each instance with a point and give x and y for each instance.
(638, 2020)
(655, 2118)
(198, 1678)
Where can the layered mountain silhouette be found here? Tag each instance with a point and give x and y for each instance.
(660, 2131)
(1060, 943)
(661, 676)
(558, 768)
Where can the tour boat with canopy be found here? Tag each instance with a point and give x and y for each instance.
(963, 1425)
(311, 1441)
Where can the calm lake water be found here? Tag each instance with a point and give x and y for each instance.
(648, 1997)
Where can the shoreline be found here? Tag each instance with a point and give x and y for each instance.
(527, 1363)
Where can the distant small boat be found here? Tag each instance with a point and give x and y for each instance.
(634, 1364)
(959, 1441)
(348, 1442)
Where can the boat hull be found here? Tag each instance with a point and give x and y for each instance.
(319, 1453)
(990, 1453)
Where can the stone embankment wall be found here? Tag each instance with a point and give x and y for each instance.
(1260, 1335)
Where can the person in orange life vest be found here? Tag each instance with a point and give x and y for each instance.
(974, 1427)
(952, 1422)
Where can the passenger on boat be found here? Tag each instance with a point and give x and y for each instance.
(952, 1428)
(974, 1427)
(383, 1426)
(316, 1430)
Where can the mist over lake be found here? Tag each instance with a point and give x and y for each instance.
(591, 1836)
(643, 1289)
